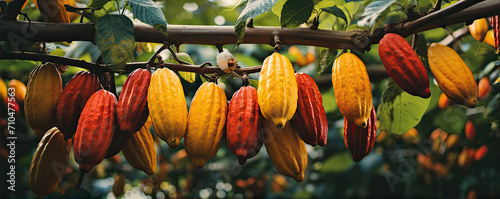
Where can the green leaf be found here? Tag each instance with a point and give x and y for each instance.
(436, 92)
(337, 163)
(115, 39)
(253, 9)
(238, 4)
(253, 82)
(188, 76)
(451, 119)
(58, 52)
(329, 101)
(493, 107)
(374, 11)
(148, 12)
(296, 12)
(421, 49)
(278, 7)
(98, 4)
(335, 11)
(400, 111)
(324, 58)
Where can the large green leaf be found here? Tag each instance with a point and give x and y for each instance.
(374, 11)
(115, 39)
(98, 4)
(324, 58)
(334, 10)
(296, 12)
(337, 163)
(400, 111)
(188, 76)
(148, 12)
(451, 119)
(253, 9)
(278, 7)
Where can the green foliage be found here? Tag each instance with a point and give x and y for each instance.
(375, 11)
(325, 58)
(98, 4)
(188, 76)
(334, 10)
(337, 163)
(296, 12)
(451, 119)
(148, 12)
(115, 39)
(253, 9)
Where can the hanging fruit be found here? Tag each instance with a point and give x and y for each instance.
(140, 150)
(478, 29)
(484, 88)
(495, 24)
(359, 140)
(132, 108)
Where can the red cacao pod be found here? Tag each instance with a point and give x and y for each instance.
(403, 65)
(360, 140)
(95, 129)
(117, 142)
(310, 118)
(132, 108)
(495, 24)
(244, 124)
(484, 88)
(72, 100)
(470, 131)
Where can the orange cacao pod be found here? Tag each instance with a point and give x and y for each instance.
(310, 118)
(352, 88)
(95, 129)
(20, 90)
(478, 29)
(443, 101)
(3, 91)
(72, 100)
(479, 153)
(53, 10)
(49, 163)
(470, 131)
(286, 150)
(43, 91)
(132, 108)
(359, 140)
(484, 88)
(244, 124)
(206, 122)
(140, 150)
(403, 65)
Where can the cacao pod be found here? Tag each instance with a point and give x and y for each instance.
(206, 122)
(478, 29)
(244, 124)
(452, 141)
(119, 184)
(49, 162)
(19, 90)
(300, 59)
(490, 38)
(403, 65)
(117, 142)
(72, 100)
(495, 24)
(132, 108)
(167, 106)
(359, 140)
(310, 118)
(479, 153)
(452, 75)
(286, 150)
(352, 88)
(95, 129)
(443, 101)
(465, 158)
(3, 91)
(140, 150)
(484, 88)
(53, 10)
(277, 90)
(43, 91)
(470, 131)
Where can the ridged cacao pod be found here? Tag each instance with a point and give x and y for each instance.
(49, 163)
(277, 91)
(19, 89)
(140, 150)
(403, 65)
(495, 24)
(167, 106)
(452, 75)
(310, 118)
(359, 140)
(478, 29)
(72, 100)
(43, 91)
(244, 124)
(53, 10)
(352, 88)
(117, 142)
(95, 129)
(206, 122)
(286, 150)
(132, 108)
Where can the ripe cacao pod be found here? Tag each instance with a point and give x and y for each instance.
(470, 131)
(3, 91)
(72, 100)
(490, 38)
(484, 88)
(53, 10)
(310, 118)
(43, 91)
(167, 106)
(300, 59)
(95, 129)
(117, 142)
(479, 153)
(140, 150)
(452, 141)
(352, 88)
(132, 108)
(403, 65)
(452, 75)
(359, 140)
(495, 24)
(49, 163)
(286, 150)
(244, 124)
(443, 101)
(478, 29)
(206, 122)
(277, 91)
(19, 89)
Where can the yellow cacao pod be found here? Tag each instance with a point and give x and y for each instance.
(49, 162)
(3, 91)
(206, 122)
(286, 150)
(478, 29)
(277, 92)
(140, 150)
(167, 106)
(452, 75)
(42, 93)
(352, 88)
